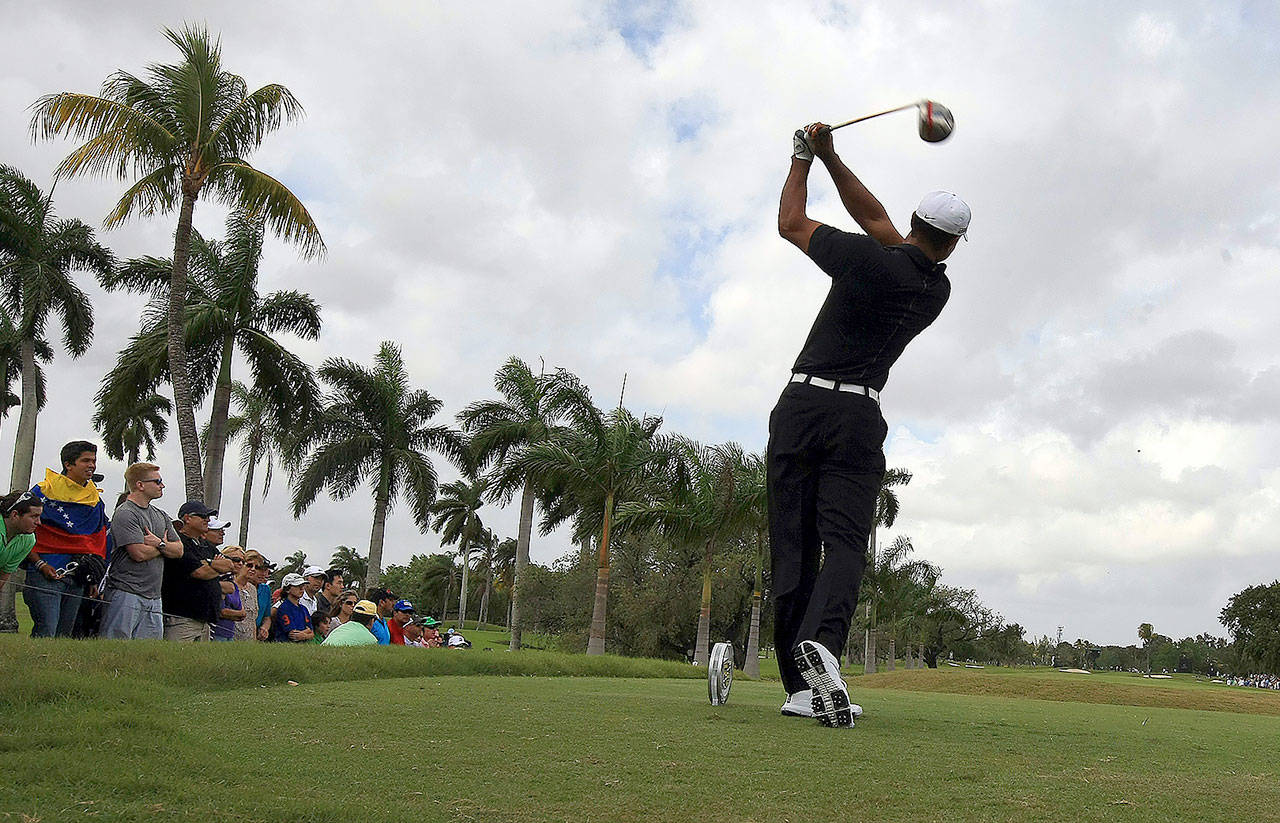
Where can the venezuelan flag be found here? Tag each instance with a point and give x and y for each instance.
(74, 520)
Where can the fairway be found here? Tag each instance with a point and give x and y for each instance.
(146, 742)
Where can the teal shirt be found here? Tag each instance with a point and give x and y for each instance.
(14, 551)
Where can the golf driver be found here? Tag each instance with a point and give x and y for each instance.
(936, 122)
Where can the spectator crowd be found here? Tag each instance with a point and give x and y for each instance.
(140, 574)
(1257, 681)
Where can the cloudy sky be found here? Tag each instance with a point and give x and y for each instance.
(1091, 422)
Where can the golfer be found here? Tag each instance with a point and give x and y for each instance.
(826, 434)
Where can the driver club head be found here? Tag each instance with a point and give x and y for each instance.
(936, 121)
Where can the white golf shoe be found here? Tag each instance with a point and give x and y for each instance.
(821, 670)
(799, 704)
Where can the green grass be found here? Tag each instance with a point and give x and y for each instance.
(145, 731)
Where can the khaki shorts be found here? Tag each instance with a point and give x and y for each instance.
(185, 630)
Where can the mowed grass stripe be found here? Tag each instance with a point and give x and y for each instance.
(621, 749)
(1107, 687)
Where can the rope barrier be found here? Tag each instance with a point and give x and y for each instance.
(143, 608)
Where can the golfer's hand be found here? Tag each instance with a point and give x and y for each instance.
(800, 148)
(818, 136)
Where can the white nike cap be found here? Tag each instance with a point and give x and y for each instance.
(945, 212)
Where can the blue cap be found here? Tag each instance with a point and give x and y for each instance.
(403, 606)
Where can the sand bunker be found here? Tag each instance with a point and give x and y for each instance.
(1075, 671)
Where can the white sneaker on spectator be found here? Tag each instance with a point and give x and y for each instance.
(821, 670)
(799, 704)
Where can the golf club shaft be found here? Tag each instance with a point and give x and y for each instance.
(869, 116)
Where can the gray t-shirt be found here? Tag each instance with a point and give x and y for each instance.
(127, 574)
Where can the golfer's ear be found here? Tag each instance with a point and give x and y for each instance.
(798, 232)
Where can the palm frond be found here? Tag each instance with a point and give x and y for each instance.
(237, 183)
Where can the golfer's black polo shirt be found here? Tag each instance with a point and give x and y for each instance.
(881, 297)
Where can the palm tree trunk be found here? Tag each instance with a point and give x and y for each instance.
(484, 598)
(462, 592)
(216, 448)
(444, 604)
(595, 641)
(522, 560)
(131, 457)
(24, 450)
(893, 651)
(9, 602)
(701, 650)
(246, 499)
(24, 443)
(751, 667)
(183, 402)
(869, 655)
(380, 502)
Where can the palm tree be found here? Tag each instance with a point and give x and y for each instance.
(293, 564)
(485, 562)
(441, 569)
(266, 436)
(373, 426)
(600, 461)
(38, 259)
(455, 517)
(1145, 632)
(504, 569)
(886, 515)
(11, 364)
(699, 506)
(184, 131)
(503, 430)
(895, 583)
(134, 422)
(224, 316)
(753, 490)
(11, 369)
(353, 565)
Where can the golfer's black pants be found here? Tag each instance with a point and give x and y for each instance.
(825, 464)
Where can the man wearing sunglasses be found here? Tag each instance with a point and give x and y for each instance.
(143, 534)
(191, 592)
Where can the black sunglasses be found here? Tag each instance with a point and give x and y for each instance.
(158, 481)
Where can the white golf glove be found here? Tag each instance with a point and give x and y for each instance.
(800, 147)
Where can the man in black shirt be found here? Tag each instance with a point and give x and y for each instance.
(190, 592)
(826, 434)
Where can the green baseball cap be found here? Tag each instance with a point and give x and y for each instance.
(428, 621)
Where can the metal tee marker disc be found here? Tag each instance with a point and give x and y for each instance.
(720, 673)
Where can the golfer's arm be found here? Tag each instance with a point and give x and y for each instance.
(861, 204)
(793, 223)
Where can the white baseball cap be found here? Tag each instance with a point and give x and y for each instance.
(218, 525)
(314, 571)
(292, 579)
(945, 212)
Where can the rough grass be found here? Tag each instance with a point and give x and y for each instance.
(37, 672)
